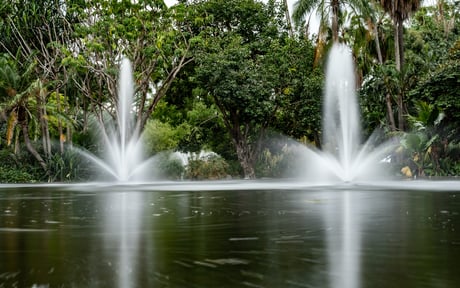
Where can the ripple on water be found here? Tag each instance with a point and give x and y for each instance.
(27, 230)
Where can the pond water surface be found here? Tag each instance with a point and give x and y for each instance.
(189, 235)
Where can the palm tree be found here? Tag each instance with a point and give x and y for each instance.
(399, 11)
(19, 103)
(328, 11)
(288, 17)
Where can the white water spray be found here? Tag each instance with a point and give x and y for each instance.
(124, 160)
(343, 157)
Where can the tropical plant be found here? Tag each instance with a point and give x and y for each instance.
(329, 12)
(439, 87)
(69, 166)
(423, 146)
(386, 86)
(378, 92)
(399, 11)
(368, 39)
(19, 103)
(36, 33)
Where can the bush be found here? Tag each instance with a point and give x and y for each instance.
(159, 136)
(169, 166)
(11, 170)
(15, 175)
(212, 167)
(69, 166)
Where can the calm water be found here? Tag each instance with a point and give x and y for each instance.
(147, 236)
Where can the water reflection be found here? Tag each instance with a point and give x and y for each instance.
(343, 237)
(268, 238)
(123, 223)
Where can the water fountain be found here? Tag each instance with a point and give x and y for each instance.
(124, 161)
(344, 157)
(122, 142)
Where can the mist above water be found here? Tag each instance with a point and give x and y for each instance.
(344, 157)
(124, 158)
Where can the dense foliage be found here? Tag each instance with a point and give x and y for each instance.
(222, 76)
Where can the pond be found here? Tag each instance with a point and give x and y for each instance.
(230, 234)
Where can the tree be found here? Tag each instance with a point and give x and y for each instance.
(399, 11)
(236, 67)
(188, 107)
(440, 87)
(241, 93)
(300, 113)
(425, 35)
(288, 17)
(368, 39)
(19, 103)
(33, 34)
(329, 12)
(147, 32)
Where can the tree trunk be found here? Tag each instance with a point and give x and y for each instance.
(377, 43)
(401, 44)
(391, 117)
(45, 130)
(399, 58)
(16, 143)
(43, 118)
(60, 132)
(30, 147)
(245, 159)
(401, 110)
(396, 40)
(288, 18)
(335, 20)
(317, 139)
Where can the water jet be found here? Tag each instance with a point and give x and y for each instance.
(124, 158)
(344, 157)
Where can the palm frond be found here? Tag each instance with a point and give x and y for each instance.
(11, 124)
(302, 8)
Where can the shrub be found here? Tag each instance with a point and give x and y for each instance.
(15, 175)
(13, 171)
(159, 136)
(69, 166)
(276, 162)
(212, 167)
(169, 166)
